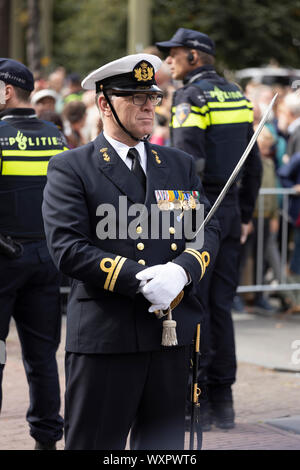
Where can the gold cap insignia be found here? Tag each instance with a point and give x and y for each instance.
(143, 71)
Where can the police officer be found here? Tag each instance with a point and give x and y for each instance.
(212, 120)
(29, 281)
(119, 375)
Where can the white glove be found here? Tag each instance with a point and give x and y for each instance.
(165, 283)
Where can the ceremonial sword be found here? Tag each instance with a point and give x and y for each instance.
(195, 417)
(171, 325)
(238, 166)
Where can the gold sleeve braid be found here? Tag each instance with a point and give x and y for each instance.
(202, 258)
(112, 267)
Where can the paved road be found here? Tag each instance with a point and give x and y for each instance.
(261, 394)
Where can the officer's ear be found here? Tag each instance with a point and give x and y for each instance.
(192, 57)
(103, 105)
(9, 92)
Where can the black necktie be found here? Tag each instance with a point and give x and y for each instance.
(136, 167)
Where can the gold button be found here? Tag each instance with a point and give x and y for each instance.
(174, 247)
(139, 229)
(172, 230)
(142, 261)
(140, 246)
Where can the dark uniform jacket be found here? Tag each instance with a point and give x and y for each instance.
(212, 120)
(293, 143)
(26, 146)
(290, 176)
(105, 313)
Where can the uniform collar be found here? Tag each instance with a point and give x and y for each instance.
(116, 170)
(12, 113)
(200, 72)
(122, 150)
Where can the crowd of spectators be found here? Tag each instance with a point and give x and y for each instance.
(279, 146)
(59, 98)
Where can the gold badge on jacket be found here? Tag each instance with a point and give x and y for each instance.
(105, 155)
(157, 158)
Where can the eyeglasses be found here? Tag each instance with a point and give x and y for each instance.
(140, 99)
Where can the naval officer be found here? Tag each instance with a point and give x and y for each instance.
(119, 377)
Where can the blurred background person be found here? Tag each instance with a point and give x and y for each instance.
(271, 255)
(290, 121)
(40, 81)
(44, 100)
(290, 178)
(73, 90)
(75, 115)
(161, 133)
(271, 268)
(54, 117)
(56, 82)
(93, 122)
(260, 96)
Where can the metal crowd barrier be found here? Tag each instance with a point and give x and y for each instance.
(281, 284)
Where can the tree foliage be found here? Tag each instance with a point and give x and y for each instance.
(89, 33)
(247, 33)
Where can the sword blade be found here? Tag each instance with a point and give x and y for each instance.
(238, 166)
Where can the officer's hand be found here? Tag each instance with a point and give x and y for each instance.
(165, 281)
(245, 231)
(142, 284)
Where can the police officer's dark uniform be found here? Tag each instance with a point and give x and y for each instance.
(118, 375)
(212, 120)
(29, 281)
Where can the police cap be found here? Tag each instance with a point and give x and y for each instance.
(16, 74)
(191, 39)
(131, 73)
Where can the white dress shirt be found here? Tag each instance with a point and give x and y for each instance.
(122, 151)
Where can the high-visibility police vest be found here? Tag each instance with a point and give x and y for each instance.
(211, 120)
(26, 146)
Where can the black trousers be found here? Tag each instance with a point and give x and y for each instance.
(109, 394)
(217, 290)
(29, 292)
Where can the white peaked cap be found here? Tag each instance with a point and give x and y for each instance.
(125, 65)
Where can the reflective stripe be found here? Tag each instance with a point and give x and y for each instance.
(231, 116)
(193, 120)
(22, 168)
(202, 110)
(229, 104)
(228, 116)
(31, 153)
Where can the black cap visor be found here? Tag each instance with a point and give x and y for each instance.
(166, 45)
(140, 89)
